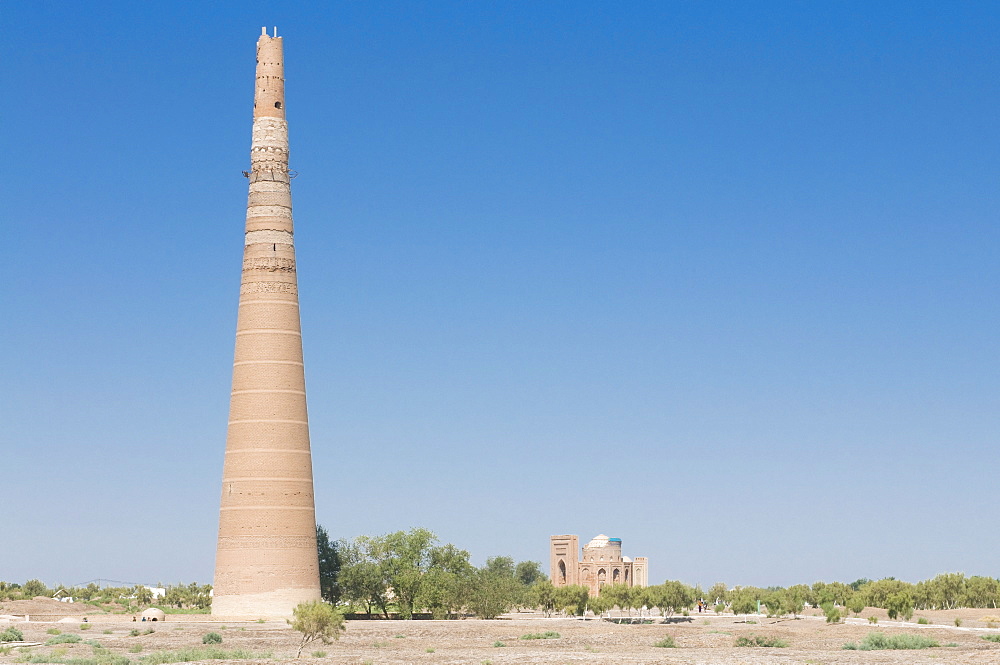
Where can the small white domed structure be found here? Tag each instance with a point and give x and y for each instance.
(154, 614)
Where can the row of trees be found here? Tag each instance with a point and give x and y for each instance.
(898, 598)
(669, 598)
(411, 572)
(186, 596)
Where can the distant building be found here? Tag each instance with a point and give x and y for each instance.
(157, 591)
(600, 562)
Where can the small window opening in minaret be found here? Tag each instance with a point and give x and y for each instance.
(277, 105)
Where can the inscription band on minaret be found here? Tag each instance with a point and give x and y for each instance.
(266, 562)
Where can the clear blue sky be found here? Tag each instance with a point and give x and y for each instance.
(719, 279)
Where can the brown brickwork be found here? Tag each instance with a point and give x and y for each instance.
(266, 561)
(599, 563)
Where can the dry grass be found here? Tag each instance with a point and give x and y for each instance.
(581, 643)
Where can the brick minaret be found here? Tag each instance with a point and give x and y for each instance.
(266, 561)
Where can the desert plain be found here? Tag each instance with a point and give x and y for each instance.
(702, 639)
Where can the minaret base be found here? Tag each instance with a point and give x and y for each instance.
(266, 605)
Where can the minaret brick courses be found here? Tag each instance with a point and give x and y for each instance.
(266, 562)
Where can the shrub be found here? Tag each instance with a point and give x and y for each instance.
(547, 635)
(872, 619)
(135, 648)
(134, 632)
(498, 643)
(760, 641)
(316, 620)
(65, 638)
(84, 626)
(992, 638)
(876, 641)
(204, 653)
(106, 631)
(11, 635)
(57, 657)
(319, 654)
(666, 643)
(53, 631)
(922, 620)
(831, 612)
(720, 608)
(211, 638)
(958, 622)
(429, 650)
(93, 643)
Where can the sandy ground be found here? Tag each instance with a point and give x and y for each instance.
(704, 641)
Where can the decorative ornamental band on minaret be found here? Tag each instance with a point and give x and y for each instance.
(266, 561)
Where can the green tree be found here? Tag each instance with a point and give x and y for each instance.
(900, 605)
(329, 566)
(642, 598)
(831, 612)
(447, 584)
(495, 589)
(670, 597)
(981, 592)
(529, 572)
(617, 595)
(599, 604)
(923, 595)
(573, 598)
(743, 600)
(405, 558)
(34, 588)
(775, 602)
(718, 593)
(948, 589)
(143, 596)
(856, 603)
(316, 621)
(89, 592)
(361, 579)
(795, 597)
(858, 583)
(877, 593)
(543, 596)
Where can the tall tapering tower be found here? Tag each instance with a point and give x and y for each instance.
(266, 562)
